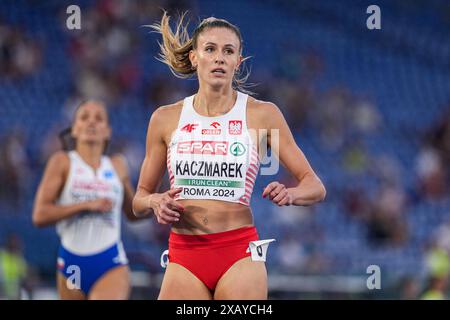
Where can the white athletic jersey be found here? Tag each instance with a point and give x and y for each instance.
(90, 232)
(213, 157)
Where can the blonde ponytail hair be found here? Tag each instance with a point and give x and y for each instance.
(176, 45)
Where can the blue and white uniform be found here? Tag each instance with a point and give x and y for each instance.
(90, 241)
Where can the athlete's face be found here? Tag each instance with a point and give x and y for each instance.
(217, 56)
(91, 124)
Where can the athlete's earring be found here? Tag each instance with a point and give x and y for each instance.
(194, 67)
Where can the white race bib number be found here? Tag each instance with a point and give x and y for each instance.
(258, 249)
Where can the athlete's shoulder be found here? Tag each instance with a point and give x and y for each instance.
(59, 161)
(262, 106)
(168, 111)
(118, 159)
(164, 120)
(263, 112)
(59, 157)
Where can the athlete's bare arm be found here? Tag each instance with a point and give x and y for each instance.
(310, 188)
(46, 211)
(147, 201)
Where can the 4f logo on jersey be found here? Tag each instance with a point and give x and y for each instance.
(189, 127)
(203, 147)
(235, 127)
(214, 130)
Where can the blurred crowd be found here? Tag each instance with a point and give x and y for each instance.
(106, 60)
(106, 52)
(20, 55)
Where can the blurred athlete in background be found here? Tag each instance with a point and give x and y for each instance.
(84, 192)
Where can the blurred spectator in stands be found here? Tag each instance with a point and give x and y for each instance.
(19, 55)
(355, 201)
(294, 94)
(387, 223)
(295, 77)
(387, 170)
(163, 88)
(316, 263)
(290, 216)
(442, 237)
(105, 51)
(436, 289)
(438, 136)
(366, 118)
(437, 260)
(356, 159)
(299, 253)
(296, 100)
(14, 171)
(437, 263)
(312, 66)
(343, 117)
(409, 288)
(98, 84)
(13, 268)
(431, 172)
(432, 161)
(291, 254)
(330, 116)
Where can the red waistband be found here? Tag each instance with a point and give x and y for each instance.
(219, 239)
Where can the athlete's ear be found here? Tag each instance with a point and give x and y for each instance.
(240, 59)
(73, 131)
(108, 133)
(193, 59)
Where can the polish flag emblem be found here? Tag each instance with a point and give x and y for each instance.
(189, 127)
(235, 127)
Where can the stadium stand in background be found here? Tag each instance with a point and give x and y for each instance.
(370, 109)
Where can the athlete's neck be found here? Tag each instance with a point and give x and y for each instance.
(213, 103)
(91, 154)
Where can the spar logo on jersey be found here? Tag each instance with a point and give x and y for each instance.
(237, 149)
(235, 127)
(189, 127)
(203, 147)
(215, 130)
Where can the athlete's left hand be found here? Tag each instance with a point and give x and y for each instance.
(278, 194)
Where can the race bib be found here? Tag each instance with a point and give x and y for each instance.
(165, 262)
(258, 249)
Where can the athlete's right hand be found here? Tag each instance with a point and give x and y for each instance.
(166, 209)
(102, 205)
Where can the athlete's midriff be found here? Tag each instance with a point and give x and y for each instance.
(211, 216)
